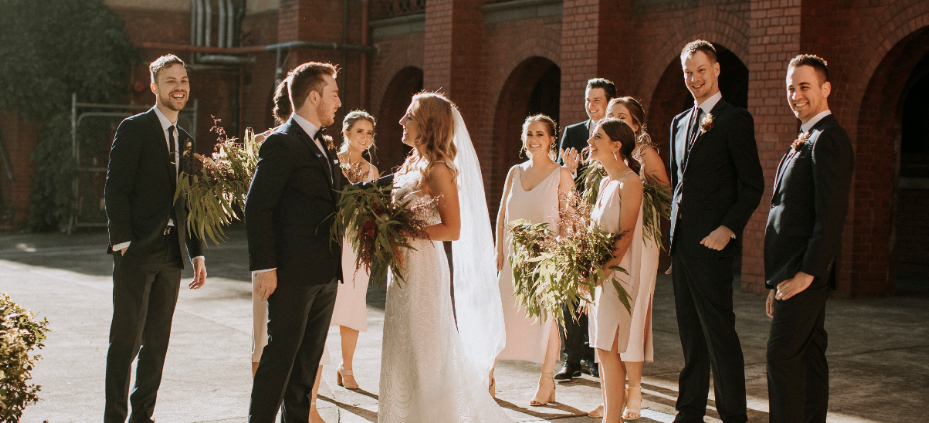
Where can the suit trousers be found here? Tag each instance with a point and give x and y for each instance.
(298, 323)
(145, 291)
(706, 322)
(575, 341)
(798, 374)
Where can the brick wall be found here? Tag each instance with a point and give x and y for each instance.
(19, 140)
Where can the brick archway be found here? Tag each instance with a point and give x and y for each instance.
(706, 23)
(390, 151)
(532, 87)
(876, 180)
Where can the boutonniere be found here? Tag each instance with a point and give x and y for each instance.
(329, 144)
(801, 139)
(706, 124)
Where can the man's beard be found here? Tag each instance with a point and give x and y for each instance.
(325, 114)
(168, 102)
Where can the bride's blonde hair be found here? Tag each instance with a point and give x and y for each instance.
(433, 112)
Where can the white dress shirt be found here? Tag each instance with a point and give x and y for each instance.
(165, 125)
(806, 127)
(708, 104)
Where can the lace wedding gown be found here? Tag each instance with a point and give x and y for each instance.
(425, 376)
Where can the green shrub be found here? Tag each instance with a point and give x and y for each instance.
(20, 333)
(49, 50)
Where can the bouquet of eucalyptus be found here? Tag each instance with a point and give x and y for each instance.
(377, 227)
(214, 186)
(656, 200)
(548, 270)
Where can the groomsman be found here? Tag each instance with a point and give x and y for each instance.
(574, 338)
(718, 183)
(148, 234)
(803, 244)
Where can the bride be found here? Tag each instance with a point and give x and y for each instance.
(431, 370)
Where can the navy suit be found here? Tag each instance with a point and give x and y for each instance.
(804, 233)
(139, 196)
(717, 180)
(288, 217)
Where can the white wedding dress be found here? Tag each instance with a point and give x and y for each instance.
(434, 369)
(425, 374)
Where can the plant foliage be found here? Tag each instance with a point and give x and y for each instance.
(20, 333)
(49, 50)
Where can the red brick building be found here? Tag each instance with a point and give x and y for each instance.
(499, 60)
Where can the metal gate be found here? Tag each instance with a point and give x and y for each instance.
(93, 127)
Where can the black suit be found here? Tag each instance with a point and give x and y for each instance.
(140, 182)
(575, 342)
(707, 194)
(288, 216)
(804, 233)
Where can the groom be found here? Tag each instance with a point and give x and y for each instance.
(718, 183)
(803, 243)
(288, 220)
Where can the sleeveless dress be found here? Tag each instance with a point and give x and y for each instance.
(350, 307)
(641, 347)
(425, 376)
(526, 339)
(608, 318)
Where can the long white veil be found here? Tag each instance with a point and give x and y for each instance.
(478, 307)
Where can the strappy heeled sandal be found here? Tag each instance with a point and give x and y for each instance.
(551, 398)
(633, 413)
(341, 375)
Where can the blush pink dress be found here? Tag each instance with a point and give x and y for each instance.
(526, 339)
(608, 318)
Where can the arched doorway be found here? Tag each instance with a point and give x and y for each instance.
(533, 87)
(671, 97)
(890, 253)
(390, 152)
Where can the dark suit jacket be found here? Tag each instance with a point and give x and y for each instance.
(809, 205)
(575, 136)
(139, 190)
(290, 206)
(707, 181)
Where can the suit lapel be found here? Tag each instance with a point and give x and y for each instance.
(320, 155)
(785, 161)
(701, 135)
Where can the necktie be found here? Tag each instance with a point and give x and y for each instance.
(321, 143)
(172, 149)
(694, 128)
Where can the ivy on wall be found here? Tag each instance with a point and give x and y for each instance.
(49, 50)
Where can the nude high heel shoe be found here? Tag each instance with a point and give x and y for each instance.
(633, 413)
(551, 398)
(341, 376)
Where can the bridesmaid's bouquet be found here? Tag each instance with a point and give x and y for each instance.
(656, 201)
(377, 227)
(549, 270)
(216, 186)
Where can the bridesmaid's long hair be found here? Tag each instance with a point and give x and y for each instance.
(620, 131)
(433, 112)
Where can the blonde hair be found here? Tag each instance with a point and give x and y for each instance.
(433, 112)
(349, 122)
(552, 128)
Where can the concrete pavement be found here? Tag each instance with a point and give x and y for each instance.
(878, 350)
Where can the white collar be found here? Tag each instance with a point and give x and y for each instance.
(806, 127)
(165, 123)
(308, 127)
(708, 104)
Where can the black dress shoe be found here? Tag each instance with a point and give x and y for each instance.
(590, 367)
(568, 371)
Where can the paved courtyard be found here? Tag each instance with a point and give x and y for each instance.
(878, 348)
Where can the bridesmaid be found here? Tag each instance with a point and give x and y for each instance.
(640, 350)
(350, 312)
(618, 210)
(531, 194)
(282, 111)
